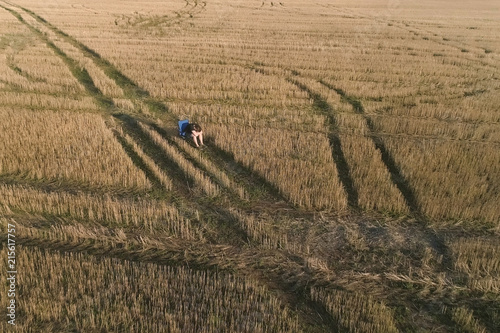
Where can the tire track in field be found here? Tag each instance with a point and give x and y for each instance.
(325, 109)
(82, 76)
(296, 282)
(219, 216)
(435, 240)
(219, 219)
(390, 163)
(224, 224)
(387, 19)
(254, 184)
(343, 169)
(191, 9)
(285, 275)
(295, 286)
(431, 236)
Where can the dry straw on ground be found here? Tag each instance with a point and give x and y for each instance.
(356, 312)
(479, 260)
(75, 290)
(412, 78)
(65, 146)
(299, 164)
(386, 102)
(148, 215)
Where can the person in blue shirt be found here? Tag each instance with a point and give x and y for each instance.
(196, 133)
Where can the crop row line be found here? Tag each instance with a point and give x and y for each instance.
(441, 40)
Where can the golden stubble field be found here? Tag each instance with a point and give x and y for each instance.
(350, 182)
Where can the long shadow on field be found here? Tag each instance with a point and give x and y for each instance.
(254, 183)
(225, 224)
(138, 162)
(219, 218)
(257, 186)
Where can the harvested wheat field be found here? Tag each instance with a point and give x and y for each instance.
(350, 179)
